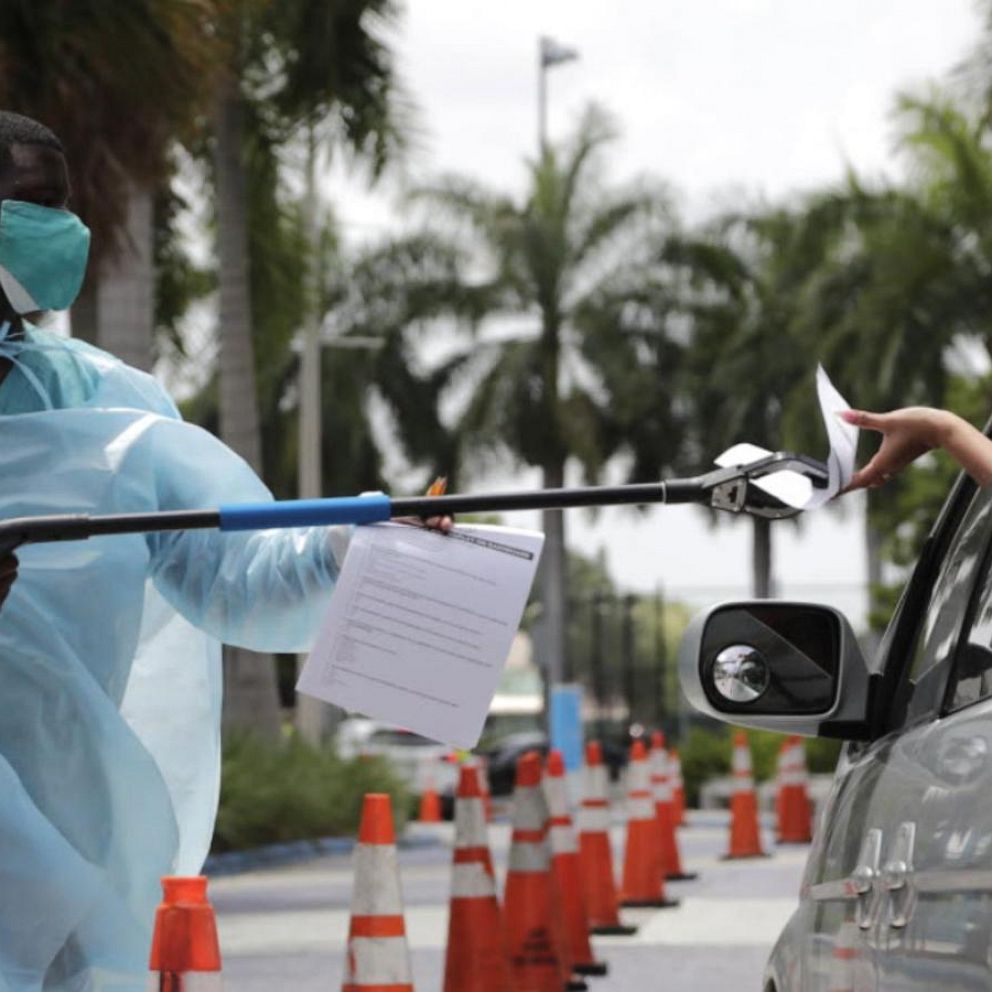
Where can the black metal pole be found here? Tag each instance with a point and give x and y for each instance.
(596, 662)
(674, 491)
(660, 659)
(627, 654)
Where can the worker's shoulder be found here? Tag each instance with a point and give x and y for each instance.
(87, 376)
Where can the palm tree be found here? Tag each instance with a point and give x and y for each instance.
(905, 282)
(555, 261)
(296, 66)
(117, 83)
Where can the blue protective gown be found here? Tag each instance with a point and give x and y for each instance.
(110, 683)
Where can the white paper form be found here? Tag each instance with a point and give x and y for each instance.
(420, 625)
(793, 488)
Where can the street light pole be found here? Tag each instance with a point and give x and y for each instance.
(660, 659)
(628, 655)
(312, 715)
(549, 53)
(553, 575)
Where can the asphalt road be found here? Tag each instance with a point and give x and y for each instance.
(285, 928)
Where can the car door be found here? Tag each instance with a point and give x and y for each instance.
(934, 910)
(894, 809)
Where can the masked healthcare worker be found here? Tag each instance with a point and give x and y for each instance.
(110, 649)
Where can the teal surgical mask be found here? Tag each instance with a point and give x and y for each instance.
(43, 253)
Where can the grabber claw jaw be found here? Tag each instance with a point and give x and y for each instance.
(733, 488)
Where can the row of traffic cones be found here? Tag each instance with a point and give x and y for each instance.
(559, 889)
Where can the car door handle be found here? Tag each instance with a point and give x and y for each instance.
(897, 876)
(864, 879)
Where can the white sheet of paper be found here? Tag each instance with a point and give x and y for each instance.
(420, 625)
(793, 488)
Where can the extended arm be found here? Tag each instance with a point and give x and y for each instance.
(911, 432)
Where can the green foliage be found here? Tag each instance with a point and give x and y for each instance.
(706, 754)
(270, 794)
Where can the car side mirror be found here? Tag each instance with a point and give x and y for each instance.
(795, 668)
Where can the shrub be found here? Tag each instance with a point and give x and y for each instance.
(705, 754)
(293, 791)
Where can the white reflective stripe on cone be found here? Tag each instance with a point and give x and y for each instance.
(743, 782)
(563, 840)
(379, 893)
(192, 981)
(470, 823)
(554, 791)
(640, 808)
(660, 781)
(638, 777)
(593, 819)
(471, 881)
(791, 778)
(661, 788)
(529, 857)
(595, 782)
(378, 961)
(530, 812)
(741, 760)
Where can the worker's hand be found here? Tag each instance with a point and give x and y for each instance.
(443, 524)
(8, 572)
(906, 434)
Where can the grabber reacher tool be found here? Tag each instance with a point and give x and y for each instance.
(734, 488)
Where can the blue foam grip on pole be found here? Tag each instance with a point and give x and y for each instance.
(306, 512)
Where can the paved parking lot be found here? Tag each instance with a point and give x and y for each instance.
(286, 928)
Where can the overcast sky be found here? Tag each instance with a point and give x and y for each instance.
(721, 99)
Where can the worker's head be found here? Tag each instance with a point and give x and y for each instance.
(43, 247)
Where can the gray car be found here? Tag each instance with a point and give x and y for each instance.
(897, 892)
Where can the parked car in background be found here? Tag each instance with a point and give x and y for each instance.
(897, 893)
(503, 754)
(417, 761)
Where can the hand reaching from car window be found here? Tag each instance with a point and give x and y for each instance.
(913, 431)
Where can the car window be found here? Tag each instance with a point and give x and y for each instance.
(971, 677)
(921, 691)
(401, 737)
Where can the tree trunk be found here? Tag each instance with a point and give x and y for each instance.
(125, 294)
(314, 718)
(251, 699)
(554, 584)
(762, 581)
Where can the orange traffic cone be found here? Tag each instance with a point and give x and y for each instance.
(476, 957)
(678, 786)
(184, 945)
(568, 875)
(664, 808)
(643, 884)
(795, 823)
(377, 954)
(783, 751)
(430, 801)
(533, 937)
(745, 837)
(595, 853)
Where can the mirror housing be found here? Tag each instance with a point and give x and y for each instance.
(794, 668)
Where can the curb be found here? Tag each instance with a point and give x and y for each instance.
(294, 852)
